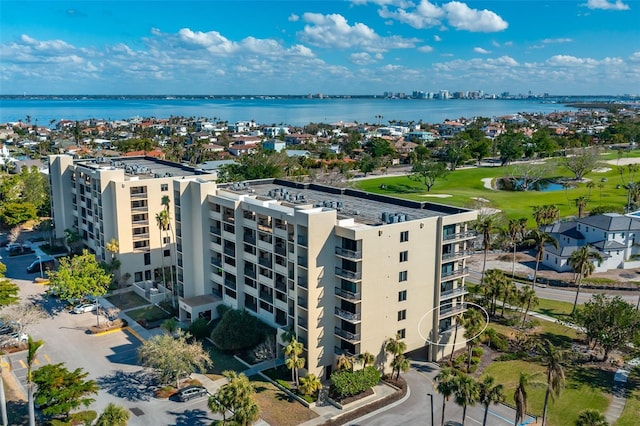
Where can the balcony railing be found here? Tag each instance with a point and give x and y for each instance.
(303, 282)
(302, 261)
(340, 351)
(265, 261)
(215, 230)
(348, 274)
(450, 294)
(459, 236)
(456, 255)
(349, 254)
(302, 240)
(281, 250)
(302, 302)
(216, 262)
(250, 273)
(345, 294)
(303, 323)
(449, 311)
(230, 251)
(249, 239)
(455, 273)
(349, 316)
(352, 337)
(141, 236)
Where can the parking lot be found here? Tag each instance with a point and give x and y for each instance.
(110, 359)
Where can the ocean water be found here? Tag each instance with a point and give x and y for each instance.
(295, 112)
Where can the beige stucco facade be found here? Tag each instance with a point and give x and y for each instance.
(344, 272)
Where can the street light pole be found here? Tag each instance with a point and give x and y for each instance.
(40, 262)
(431, 398)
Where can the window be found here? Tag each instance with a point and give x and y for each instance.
(404, 236)
(402, 296)
(402, 315)
(147, 258)
(404, 256)
(147, 275)
(137, 277)
(167, 253)
(164, 187)
(402, 276)
(402, 333)
(166, 240)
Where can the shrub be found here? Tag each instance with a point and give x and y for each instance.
(476, 352)
(606, 209)
(348, 383)
(199, 328)
(222, 309)
(239, 330)
(475, 360)
(285, 384)
(510, 356)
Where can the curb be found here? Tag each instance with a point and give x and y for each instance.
(102, 333)
(135, 333)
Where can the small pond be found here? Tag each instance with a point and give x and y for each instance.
(515, 184)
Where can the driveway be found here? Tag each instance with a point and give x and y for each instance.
(110, 359)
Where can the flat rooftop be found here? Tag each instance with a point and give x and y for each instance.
(142, 167)
(363, 207)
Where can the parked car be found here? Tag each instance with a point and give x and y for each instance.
(14, 339)
(190, 392)
(5, 329)
(42, 264)
(84, 307)
(19, 249)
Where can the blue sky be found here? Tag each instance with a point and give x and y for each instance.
(587, 47)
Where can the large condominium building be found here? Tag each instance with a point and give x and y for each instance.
(104, 199)
(344, 269)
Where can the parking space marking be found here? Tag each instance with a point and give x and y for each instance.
(22, 363)
(47, 358)
(36, 362)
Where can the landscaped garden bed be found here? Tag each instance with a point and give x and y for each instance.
(276, 407)
(128, 300)
(149, 316)
(116, 324)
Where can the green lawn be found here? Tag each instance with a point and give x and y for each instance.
(584, 389)
(465, 184)
(555, 308)
(222, 361)
(276, 407)
(149, 313)
(127, 300)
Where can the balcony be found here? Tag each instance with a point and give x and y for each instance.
(449, 311)
(351, 275)
(303, 282)
(346, 315)
(265, 261)
(138, 195)
(216, 262)
(230, 284)
(215, 230)
(281, 250)
(347, 295)
(302, 302)
(446, 257)
(281, 286)
(340, 351)
(230, 251)
(248, 238)
(266, 296)
(303, 323)
(250, 273)
(351, 337)
(466, 235)
(450, 294)
(141, 236)
(139, 222)
(139, 209)
(302, 261)
(302, 240)
(456, 273)
(349, 254)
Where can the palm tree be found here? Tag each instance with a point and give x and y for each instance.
(473, 323)
(113, 415)
(459, 320)
(166, 201)
(528, 299)
(512, 232)
(366, 359)
(33, 346)
(344, 362)
(294, 361)
(540, 239)
(396, 347)
(400, 363)
(582, 262)
(466, 393)
(486, 226)
(310, 384)
(488, 394)
(600, 186)
(581, 204)
(520, 397)
(446, 386)
(552, 359)
(590, 186)
(162, 220)
(509, 290)
(494, 283)
(591, 417)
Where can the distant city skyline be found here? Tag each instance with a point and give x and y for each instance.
(359, 47)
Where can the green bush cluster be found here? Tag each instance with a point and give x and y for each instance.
(199, 328)
(239, 330)
(348, 383)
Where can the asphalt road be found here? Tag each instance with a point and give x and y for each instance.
(416, 410)
(110, 359)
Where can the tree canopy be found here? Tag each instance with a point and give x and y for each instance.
(427, 172)
(60, 390)
(582, 162)
(173, 357)
(78, 277)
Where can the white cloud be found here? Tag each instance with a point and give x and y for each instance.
(425, 49)
(635, 57)
(456, 14)
(607, 5)
(293, 18)
(556, 40)
(333, 31)
(213, 41)
(437, 38)
(362, 58)
(461, 17)
(481, 50)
